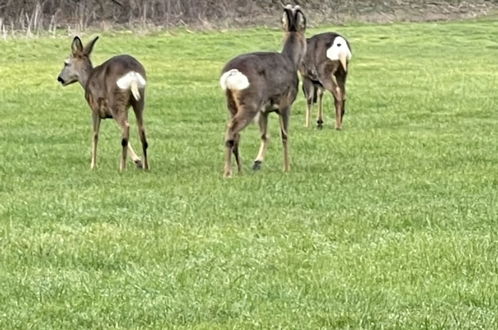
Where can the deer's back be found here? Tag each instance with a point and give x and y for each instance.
(104, 76)
(316, 53)
(270, 73)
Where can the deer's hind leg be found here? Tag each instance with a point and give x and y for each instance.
(232, 138)
(133, 155)
(138, 108)
(232, 107)
(241, 116)
(341, 77)
(332, 86)
(120, 114)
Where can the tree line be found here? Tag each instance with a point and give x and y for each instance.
(36, 15)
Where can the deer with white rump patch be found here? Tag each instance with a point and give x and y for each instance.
(325, 67)
(260, 83)
(110, 89)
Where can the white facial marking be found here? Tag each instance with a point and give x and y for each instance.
(125, 81)
(234, 80)
(339, 48)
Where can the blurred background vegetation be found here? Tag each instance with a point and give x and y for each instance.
(34, 16)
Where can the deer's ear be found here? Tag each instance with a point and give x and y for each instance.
(285, 20)
(76, 46)
(89, 47)
(300, 20)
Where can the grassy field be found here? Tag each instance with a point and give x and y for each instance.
(390, 223)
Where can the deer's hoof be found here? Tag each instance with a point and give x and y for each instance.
(338, 128)
(227, 173)
(257, 165)
(139, 164)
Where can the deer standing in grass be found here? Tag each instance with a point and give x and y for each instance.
(110, 89)
(261, 83)
(325, 67)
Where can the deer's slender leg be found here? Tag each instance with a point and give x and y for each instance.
(309, 110)
(309, 93)
(342, 107)
(232, 108)
(284, 133)
(95, 139)
(122, 120)
(319, 121)
(332, 86)
(138, 107)
(339, 107)
(227, 172)
(236, 124)
(236, 152)
(265, 139)
(341, 82)
(133, 155)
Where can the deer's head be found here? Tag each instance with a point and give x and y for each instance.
(293, 19)
(78, 63)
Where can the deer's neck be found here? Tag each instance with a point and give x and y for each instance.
(294, 47)
(85, 74)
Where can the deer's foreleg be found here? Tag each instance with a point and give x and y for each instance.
(95, 139)
(265, 139)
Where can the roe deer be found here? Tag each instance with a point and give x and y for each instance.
(260, 83)
(110, 89)
(325, 67)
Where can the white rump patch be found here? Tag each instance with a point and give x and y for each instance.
(125, 81)
(234, 80)
(339, 48)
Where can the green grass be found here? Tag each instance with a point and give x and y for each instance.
(391, 223)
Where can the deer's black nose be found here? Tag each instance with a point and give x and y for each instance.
(59, 79)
